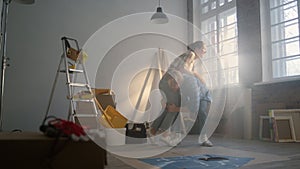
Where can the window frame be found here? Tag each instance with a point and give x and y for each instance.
(270, 74)
(219, 9)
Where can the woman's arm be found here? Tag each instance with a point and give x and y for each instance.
(200, 77)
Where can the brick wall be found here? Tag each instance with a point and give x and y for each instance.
(284, 95)
(236, 120)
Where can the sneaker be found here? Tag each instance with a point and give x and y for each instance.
(151, 139)
(206, 144)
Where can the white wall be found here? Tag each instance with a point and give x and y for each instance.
(34, 49)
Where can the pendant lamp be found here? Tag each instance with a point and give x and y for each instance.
(159, 17)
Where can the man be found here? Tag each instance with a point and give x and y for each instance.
(180, 94)
(185, 64)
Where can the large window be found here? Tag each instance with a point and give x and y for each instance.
(218, 24)
(284, 27)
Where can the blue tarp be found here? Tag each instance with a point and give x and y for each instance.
(203, 161)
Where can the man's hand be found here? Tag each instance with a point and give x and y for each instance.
(172, 108)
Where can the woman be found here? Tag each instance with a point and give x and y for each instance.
(185, 63)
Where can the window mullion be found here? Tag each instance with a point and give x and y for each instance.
(287, 57)
(282, 5)
(218, 33)
(218, 44)
(298, 7)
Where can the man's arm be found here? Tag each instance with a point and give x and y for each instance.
(172, 108)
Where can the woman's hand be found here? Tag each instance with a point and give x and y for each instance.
(196, 74)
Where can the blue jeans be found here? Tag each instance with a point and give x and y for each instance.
(202, 113)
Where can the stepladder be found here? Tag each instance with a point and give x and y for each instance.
(82, 107)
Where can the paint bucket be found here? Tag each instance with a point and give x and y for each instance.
(115, 136)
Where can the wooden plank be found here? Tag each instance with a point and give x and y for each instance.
(284, 129)
(294, 113)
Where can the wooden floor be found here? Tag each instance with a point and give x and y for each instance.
(267, 155)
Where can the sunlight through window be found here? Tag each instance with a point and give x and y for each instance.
(285, 38)
(220, 30)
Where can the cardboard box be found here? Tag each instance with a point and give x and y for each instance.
(36, 151)
(106, 102)
(105, 97)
